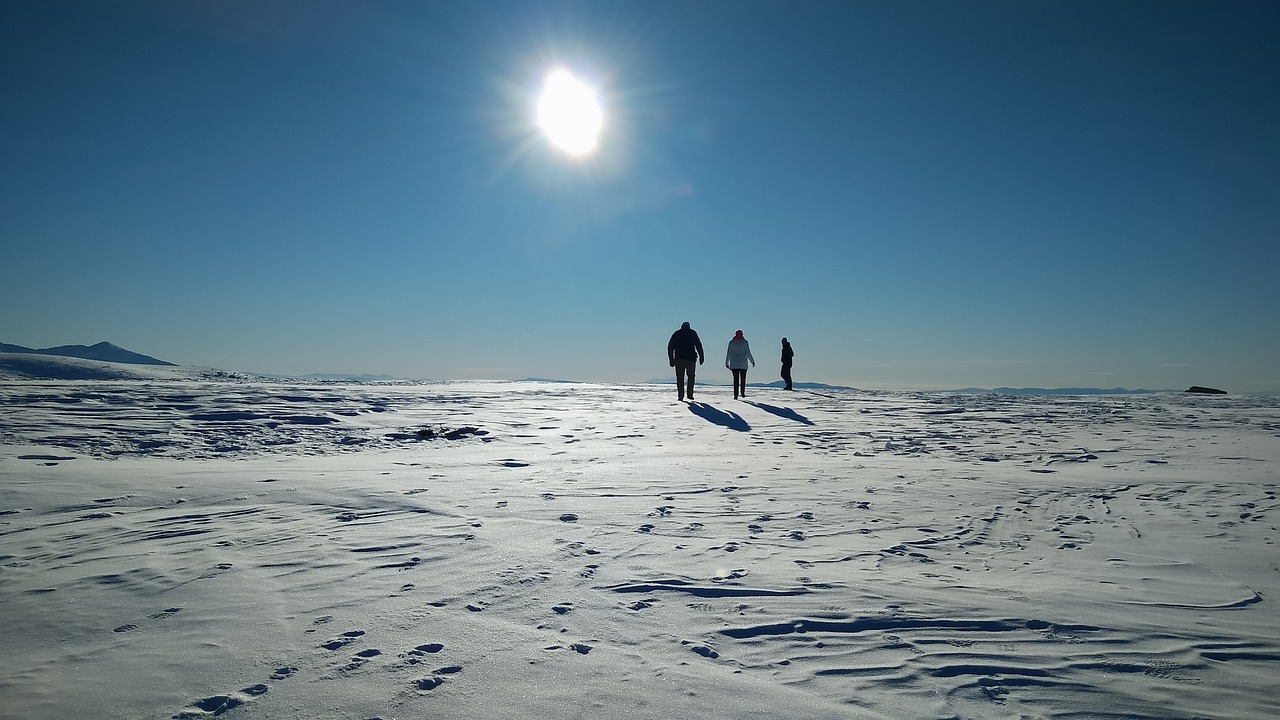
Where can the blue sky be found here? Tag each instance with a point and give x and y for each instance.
(917, 194)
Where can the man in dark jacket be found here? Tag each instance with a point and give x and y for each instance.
(684, 352)
(787, 355)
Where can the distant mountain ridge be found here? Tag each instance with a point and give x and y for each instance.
(103, 352)
(802, 385)
(1054, 391)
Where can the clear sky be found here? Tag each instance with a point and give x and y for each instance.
(917, 194)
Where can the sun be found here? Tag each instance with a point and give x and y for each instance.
(569, 113)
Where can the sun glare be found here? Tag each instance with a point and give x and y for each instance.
(569, 113)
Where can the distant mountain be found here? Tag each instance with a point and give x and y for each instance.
(1054, 391)
(103, 352)
(802, 385)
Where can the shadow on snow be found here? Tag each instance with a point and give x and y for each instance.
(733, 421)
(787, 413)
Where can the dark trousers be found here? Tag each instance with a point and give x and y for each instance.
(685, 367)
(786, 375)
(739, 382)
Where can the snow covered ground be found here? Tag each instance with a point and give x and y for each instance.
(182, 546)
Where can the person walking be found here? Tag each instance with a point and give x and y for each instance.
(787, 355)
(736, 358)
(684, 353)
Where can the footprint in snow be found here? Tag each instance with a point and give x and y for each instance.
(435, 680)
(345, 639)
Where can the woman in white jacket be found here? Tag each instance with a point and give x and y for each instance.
(736, 359)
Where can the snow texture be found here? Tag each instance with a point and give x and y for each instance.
(190, 546)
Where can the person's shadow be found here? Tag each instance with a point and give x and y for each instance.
(787, 413)
(733, 421)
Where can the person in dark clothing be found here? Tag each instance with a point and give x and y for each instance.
(684, 352)
(787, 354)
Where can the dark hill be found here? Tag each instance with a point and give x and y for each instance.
(103, 351)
